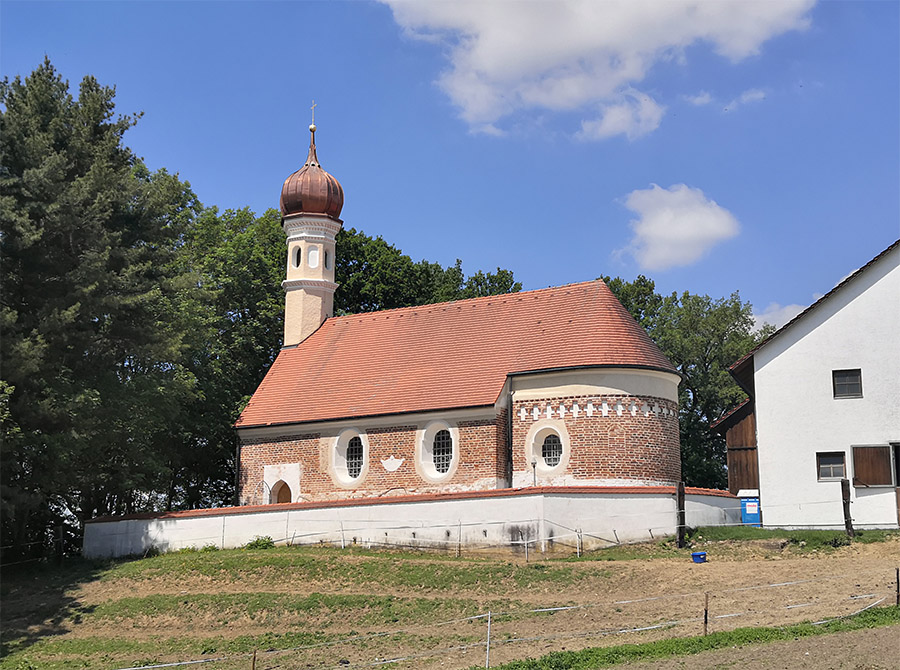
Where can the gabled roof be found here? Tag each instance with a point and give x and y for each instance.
(447, 355)
(742, 369)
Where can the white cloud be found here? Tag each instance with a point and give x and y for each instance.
(777, 315)
(676, 226)
(751, 95)
(505, 57)
(636, 115)
(702, 98)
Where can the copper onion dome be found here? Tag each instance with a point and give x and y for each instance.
(311, 190)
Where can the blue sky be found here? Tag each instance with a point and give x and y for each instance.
(713, 147)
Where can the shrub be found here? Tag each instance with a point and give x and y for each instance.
(209, 547)
(260, 542)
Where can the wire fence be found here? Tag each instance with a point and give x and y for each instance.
(698, 609)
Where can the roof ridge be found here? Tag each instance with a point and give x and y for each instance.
(850, 277)
(447, 303)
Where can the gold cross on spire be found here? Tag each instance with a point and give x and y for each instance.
(313, 108)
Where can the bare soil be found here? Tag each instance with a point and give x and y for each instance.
(754, 583)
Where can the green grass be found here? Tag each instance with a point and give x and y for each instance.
(365, 568)
(262, 606)
(600, 657)
(805, 539)
(87, 652)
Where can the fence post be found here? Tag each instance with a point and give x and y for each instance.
(578, 543)
(898, 587)
(679, 501)
(459, 539)
(845, 498)
(706, 614)
(487, 657)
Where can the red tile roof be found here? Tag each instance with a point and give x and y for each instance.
(447, 355)
(418, 498)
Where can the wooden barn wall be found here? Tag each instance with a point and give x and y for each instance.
(743, 433)
(743, 467)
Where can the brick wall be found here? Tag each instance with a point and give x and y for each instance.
(612, 437)
(482, 461)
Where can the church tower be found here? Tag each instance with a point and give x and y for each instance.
(311, 202)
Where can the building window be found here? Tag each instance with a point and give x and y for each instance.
(297, 255)
(551, 450)
(442, 451)
(354, 457)
(327, 259)
(830, 465)
(312, 257)
(437, 452)
(350, 458)
(547, 448)
(847, 383)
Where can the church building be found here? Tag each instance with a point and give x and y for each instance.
(556, 387)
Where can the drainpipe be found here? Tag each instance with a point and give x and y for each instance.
(237, 469)
(509, 439)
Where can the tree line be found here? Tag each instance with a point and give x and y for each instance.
(136, 322)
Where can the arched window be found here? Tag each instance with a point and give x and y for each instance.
(312, 258)
(281, 493)
(297, 256)
(354, 457)
(551, 450)
(327, 258)
(349, 458)
(442, 451)
(437, 451)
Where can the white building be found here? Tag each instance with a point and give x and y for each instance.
(825, 405)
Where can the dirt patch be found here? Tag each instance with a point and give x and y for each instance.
(598, 603)
(872, 649)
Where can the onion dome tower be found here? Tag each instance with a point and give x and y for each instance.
(311, 202)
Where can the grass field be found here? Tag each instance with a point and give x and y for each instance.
(318, 607)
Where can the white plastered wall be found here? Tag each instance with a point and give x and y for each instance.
(798, 416)
(546, 521)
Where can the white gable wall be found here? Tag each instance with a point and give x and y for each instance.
(797, 415)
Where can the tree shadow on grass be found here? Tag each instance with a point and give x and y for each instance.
(39, 600)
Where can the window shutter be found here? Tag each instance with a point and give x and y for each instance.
(872, 466)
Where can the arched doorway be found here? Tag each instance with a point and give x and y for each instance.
(281, 493)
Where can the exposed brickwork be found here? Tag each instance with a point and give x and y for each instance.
(481, 462)
(640, 446)
(637, 440)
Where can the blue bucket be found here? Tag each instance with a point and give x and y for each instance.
(698, 557)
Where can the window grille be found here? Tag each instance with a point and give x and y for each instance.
(442, 451)
(847, 383)
(551, 450)
(354, 457)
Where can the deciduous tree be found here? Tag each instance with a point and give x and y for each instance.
(702, 336)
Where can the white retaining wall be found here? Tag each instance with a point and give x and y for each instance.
(542, 520)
